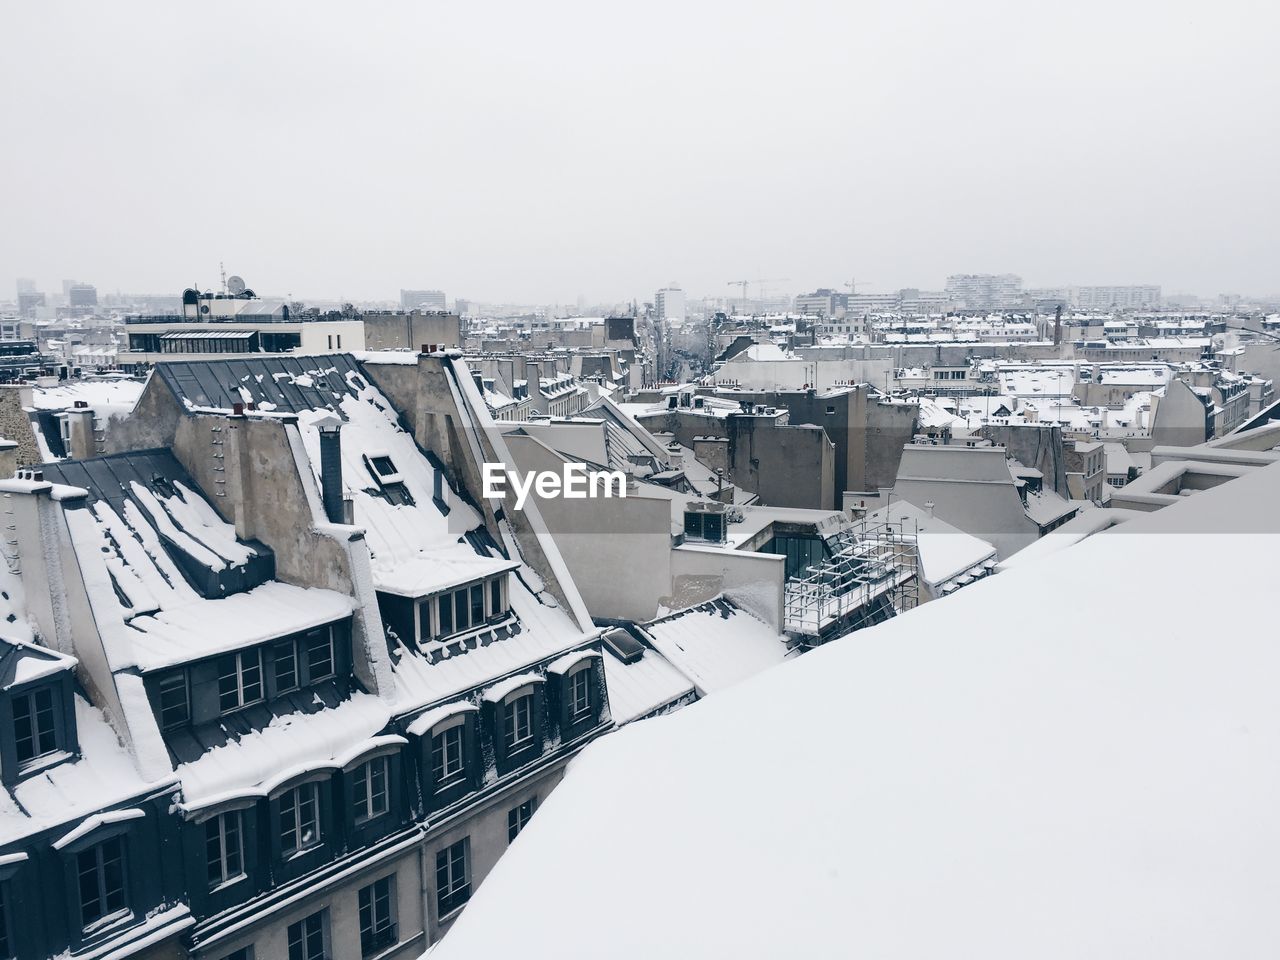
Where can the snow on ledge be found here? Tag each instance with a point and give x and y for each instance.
(90, 824)
(570, 660)
(425, 722)
(500, 691)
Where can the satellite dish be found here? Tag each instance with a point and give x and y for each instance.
(235, 286)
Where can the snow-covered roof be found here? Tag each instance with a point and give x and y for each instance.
(644, 686)
(141, 536)
(717, 644)
(290, 744)
(107, 394)
(1100, 785)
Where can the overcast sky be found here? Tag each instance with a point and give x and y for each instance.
(538, 151)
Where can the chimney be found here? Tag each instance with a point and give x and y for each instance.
(80, 431)
(928, 507)
(478, 377)
(8, 458)
(330, 428)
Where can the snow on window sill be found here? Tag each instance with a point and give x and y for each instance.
(111, 921)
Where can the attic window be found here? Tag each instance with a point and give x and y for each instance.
(383, 466)
(35, 724)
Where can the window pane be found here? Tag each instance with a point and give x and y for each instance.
(461, 611)
(319, 654)
(250, 676)
(377, 920)
(477, 603)
(453, 886)
(446, 614)
(495, 597)
(35, 732)
(519, 721)
(285, 658)
(174, 709)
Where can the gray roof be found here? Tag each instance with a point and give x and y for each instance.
(270, 379)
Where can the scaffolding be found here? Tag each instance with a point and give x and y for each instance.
(871, 575)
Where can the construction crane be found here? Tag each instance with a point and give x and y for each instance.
(853, 286)
(743, 285)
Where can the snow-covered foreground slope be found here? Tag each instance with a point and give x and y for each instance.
(1077, 758)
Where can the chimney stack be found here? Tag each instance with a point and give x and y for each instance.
(330, 428)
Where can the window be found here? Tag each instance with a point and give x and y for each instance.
(495, 597)
(239, 680)
(580, 693)
(284, 658)
(100, 871)
(370, 784)
(477, 603)
(446, 757)
(517, 817)
(377, 916)
(453, 884)
(307, 938)
(383, 466)
(300, 819)
(34, 724)
(519, 722)
(461, 611)
(175, 708)
(224, 848)
(446, 615)
(244, 953)
(319, 654)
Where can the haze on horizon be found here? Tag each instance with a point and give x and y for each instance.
(542, 152)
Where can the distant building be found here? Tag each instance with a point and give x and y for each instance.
(29, 302)
(422, 299)
(985, 291)
(821, 303)
(83, 299)
(1117, 298)
(668, 303)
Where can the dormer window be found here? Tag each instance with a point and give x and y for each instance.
(580, 693)
(239, 680)
(35, 725)
(518, 723)
(319, 647)
(100, 875)
(462, 609)
(175, 703)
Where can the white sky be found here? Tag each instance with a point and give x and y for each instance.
(539, 151)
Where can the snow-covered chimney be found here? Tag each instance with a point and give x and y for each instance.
(928, 507)
(330, 427)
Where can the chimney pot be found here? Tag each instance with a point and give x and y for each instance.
(237, 409)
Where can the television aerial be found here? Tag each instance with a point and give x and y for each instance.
(235, 285)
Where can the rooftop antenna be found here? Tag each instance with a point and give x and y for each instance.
(222, 271)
